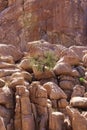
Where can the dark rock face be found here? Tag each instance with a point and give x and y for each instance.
(57, 21)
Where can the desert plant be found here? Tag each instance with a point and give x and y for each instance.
(49, 60)
(81, 79)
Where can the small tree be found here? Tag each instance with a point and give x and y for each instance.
(49, 60)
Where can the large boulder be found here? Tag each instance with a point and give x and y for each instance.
(79, 102)
(72, 60)
(10, 50)
(41, 47)
(79, 50)
(54, 91)
(62, 68)
(78, 91)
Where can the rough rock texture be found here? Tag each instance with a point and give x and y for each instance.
(58, 102)
(57, 21)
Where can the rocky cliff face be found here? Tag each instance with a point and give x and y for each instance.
(34, 96)
(57, 21)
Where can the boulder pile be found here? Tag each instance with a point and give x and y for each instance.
(43, 98)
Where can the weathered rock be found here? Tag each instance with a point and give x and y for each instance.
(67, 123)
(75, 73)
(79, 50)
(68, 93)
(8, 72)
(6, 97)
(41, 110)
(2, 83)
(24, 75)
(79, 102)
(27, 76)
(46, 23)
(41, 47)
(25, 64)
(62, 103)
(27, 117)
(28, 122)
(38, 91)
(40, 74)
(7, 59)
(54, 104)
(43, 81)
(84, 59)
(18, 120)
(78, 90)
(7, 65)
(43, 122)
(2, 126)
(78, 120)
(5, 114)
(72, 60)
(62, 68)
(66, 84)
(9, 50)
(56, 121)
(16, 81)
(53, 91)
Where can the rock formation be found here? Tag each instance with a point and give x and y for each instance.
(47, 99)
(57, 21)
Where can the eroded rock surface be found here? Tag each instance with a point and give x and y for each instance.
(44, 102)
(56, 21)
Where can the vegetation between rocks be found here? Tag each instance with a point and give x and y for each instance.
(49, 61)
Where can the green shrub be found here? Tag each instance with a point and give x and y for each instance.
(49, 60)
(81, 79)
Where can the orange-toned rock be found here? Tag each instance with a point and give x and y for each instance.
(84, 59)
(62, 68)
(6, 97)
(8, 72)
(10, 50)
(7, 59)
(54, 91)
(79, 50)
(79, 102)
(25, 64)
(16, 81)
(41, 110)
(62, 103)
(2, 83)
(66, 84)
(38, 91)
(40, 74)
(78, 120)
(56, 121)
(72, 59)
(18, 120)
(2, 125)
(78, 91)
(28, 122)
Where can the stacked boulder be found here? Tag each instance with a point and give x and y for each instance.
(47, 99)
